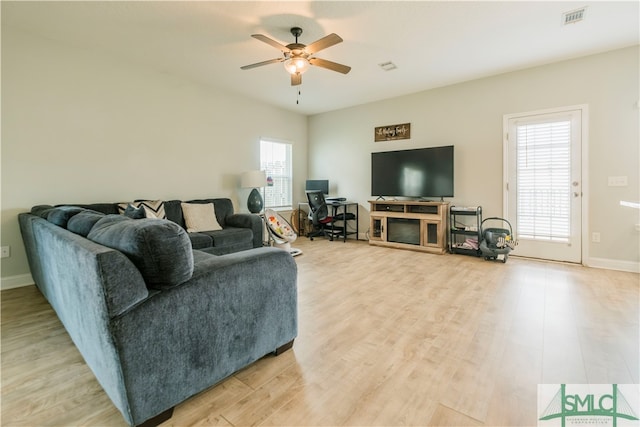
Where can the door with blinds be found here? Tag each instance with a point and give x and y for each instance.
(544, 189)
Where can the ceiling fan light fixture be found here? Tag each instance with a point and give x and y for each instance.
(296, 65)
(298, 57)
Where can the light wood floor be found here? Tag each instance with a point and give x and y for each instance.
(386, 337)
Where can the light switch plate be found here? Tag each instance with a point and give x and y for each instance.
(617, 181)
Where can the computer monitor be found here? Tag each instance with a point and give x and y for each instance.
(317, 185)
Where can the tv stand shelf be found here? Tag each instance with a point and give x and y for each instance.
(414, 225)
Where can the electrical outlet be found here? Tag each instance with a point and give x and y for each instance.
(595, 237)
(6, 251)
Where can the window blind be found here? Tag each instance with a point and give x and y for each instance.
(276, 161)
(544, 181)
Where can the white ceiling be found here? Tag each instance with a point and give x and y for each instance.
(433, 43)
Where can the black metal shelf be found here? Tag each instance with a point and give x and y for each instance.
(462, 229)
(464, 232)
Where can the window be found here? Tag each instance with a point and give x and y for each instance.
(544, 180)
(276, 161)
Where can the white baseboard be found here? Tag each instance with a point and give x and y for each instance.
(16, 281)
(612, 264)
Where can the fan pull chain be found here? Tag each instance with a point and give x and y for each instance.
(298, 97)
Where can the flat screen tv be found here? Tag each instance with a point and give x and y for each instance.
(419, 173)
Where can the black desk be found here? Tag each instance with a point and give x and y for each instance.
(335, 209)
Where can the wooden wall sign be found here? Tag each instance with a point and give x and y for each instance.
(393, 132)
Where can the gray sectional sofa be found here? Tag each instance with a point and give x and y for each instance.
(156, 320)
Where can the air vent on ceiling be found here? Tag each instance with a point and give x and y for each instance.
(573, 16)
(388, 66)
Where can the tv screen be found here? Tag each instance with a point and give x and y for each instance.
(420, 173)
(317, 185)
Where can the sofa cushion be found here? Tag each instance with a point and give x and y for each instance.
(173, 210)
(160, 249)
(60, 216)
(83, 222)
(200, 240)
(233, 247)
(200, 217)
(238, 238)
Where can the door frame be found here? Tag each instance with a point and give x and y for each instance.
(584, 169)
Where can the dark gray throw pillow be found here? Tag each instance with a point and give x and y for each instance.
(83, 222)
(42, 210)
(135, 212)
(159, 248)
(60, 215)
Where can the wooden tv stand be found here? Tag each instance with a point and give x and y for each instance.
(414, 225)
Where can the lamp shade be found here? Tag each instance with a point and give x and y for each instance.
(253, 179)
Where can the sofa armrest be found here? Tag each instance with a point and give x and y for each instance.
(251, 221)
(88, 285)
(229, 314)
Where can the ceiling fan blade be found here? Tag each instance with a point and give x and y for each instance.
(260, 64)
(323, 43)
(329, 65)
(296, 79)
(270, 41)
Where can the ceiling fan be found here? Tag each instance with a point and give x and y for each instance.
(297, 57)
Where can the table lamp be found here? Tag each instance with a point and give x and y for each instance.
(254, 180)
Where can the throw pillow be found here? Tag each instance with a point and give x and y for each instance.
(161, 250)
(200, 217)
(42, 210)
(135, 212)
(152, 208)
(83, 222)
(60, 215)
(122, 207)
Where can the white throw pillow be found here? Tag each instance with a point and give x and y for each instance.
(200, 217)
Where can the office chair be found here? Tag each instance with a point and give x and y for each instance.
(319, 216)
